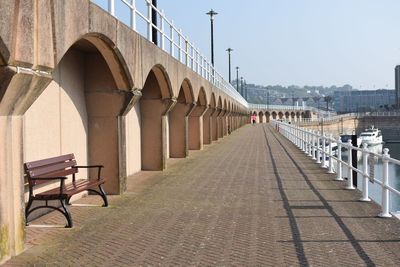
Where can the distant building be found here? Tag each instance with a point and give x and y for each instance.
(397, 85)
(364, 100)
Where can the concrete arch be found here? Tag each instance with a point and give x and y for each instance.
(177, 119)
(267, 117)
(4, 53)
(208, 120)
(287, 115)
(274, 115)
(280, 115)
(293, 116)
(196, 121)
(261, 117)
(86, 107)
(155, 104)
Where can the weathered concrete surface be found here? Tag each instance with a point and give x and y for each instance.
(242, 202)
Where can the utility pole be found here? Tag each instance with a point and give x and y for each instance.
(212, 13)
(154, 21)
(229, 58)
(237, 79)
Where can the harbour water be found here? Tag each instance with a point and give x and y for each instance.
(375, 191)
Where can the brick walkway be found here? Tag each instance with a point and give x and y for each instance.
(252, 199)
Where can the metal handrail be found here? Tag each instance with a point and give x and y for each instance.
(309, 141)
(188, 54)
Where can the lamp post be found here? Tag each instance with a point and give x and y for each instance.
(237, 79)
(154, 21)
(212, 13)
(241, 86)
(229, 58)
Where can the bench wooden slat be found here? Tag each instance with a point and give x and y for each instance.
(50, 169)
(48, 161)
(61, 173)
(73, 188)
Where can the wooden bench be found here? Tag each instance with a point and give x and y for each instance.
(54, 169)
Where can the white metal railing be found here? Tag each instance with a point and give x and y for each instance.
(320, 148)
(277, 107)
(171, 37)
(327, 119)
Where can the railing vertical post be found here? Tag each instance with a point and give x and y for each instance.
(318, 148)
(187, 51)
(385, 183)
(162, 29)
(330, 169)
(350, 165)
(133, 15)
(306, 141)
(365, 156)
(171, 34)
(339, 176)
(180, 45)
(310, 143)
(323, 147)
(313, 144)
(111, 7)
(149, 22)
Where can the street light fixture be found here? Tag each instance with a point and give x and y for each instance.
(212, 13)
(229, 56)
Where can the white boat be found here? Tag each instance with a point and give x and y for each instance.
(371, 136)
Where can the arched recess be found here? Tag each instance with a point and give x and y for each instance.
(280, 115)
(217, 120)
(224, 119)
(155, 103)
(196, 121)
(80, 111)
(208, 119)
(302, 115)
(287, 115)
(298, 116)
(229, 118)
(273, 115)
(261, 116)
(178, 125)
(293, 116)
(267, 117)
(221, 117)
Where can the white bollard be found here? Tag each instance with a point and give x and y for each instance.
(385, 182)
(339, 176)
(365, 156)
(350, 169)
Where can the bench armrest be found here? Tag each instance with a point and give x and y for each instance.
(89, 167)
(61, 178)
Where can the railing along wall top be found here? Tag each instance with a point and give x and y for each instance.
(172, 41)
(320, 148)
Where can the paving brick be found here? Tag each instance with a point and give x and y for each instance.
(240, 202)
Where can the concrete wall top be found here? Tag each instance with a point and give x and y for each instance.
(37, 34)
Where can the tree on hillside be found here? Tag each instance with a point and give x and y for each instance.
(328, 99)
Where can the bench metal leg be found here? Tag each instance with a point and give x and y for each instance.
(101, 193)
(66, 213)
(27, 208)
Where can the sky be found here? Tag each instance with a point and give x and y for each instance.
(297, 42)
